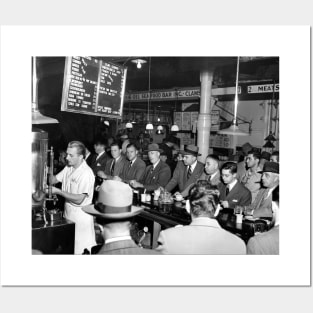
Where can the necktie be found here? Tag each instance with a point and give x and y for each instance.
(189, 172)
(209, 178)
(227, 191)
(130, 164)
(112, 167)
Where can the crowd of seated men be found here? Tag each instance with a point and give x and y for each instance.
(252, 183)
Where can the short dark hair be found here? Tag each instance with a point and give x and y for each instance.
(204, 199)
(256, 154)
(100, 141)
(232, 166)
(132, 144)
(80, 147)
(115, 143)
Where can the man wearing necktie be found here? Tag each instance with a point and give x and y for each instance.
(136, 167)
(100, 158)
(211, 173)
(157, 174)
(262, 205)
(114, 167)
(187, 172)
(232, 192)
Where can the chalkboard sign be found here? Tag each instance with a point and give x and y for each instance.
(93, 87)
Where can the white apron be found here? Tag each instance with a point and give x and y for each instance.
(79, 181)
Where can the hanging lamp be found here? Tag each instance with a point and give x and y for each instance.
(149, 125)
(233, 129)
(129, 124)
(175, 127)
(271, 136)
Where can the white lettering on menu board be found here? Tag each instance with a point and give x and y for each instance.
(82, 88)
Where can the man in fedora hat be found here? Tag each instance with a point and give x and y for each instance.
(157, 174)
(187, 172)
(262, 205)
(114, 212)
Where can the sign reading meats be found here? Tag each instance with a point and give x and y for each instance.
(93, 87)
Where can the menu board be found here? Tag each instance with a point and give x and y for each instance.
(93, 87)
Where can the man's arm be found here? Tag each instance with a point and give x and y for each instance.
(75, 198)
(174, 181)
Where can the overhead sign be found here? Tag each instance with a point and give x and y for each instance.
(262, 88)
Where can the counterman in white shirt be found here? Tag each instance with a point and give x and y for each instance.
(77, 189)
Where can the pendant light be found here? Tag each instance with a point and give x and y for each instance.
(175, 127)
(129, 125)
(139, 62)
(234, 130)
(149, 125)
(271, 136)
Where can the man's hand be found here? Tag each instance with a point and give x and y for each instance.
(102, 175)
(54, 190)
(224, 204)
(117, 178)
(135, 184)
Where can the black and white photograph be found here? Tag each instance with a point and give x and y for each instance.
(158, 157)
(206, 185)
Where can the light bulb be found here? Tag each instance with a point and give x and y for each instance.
(138, 64)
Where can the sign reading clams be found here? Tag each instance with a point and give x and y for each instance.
(93, 87)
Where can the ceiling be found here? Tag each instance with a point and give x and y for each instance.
(167, 73)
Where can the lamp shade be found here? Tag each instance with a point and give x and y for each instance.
(149, 126)
(160, 127)
(174, 128)
(270, 137)
(129, 125)
(269, 144)
(233, 130)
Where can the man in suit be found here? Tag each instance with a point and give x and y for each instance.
(100, 159)
(267, 242)
(211, 173)
(204, 235)
(262, 205)
(136, 167)
(89, 156)
(114, 212)
(232, 192)
(188, 172)
(114, 167)
(157, 174)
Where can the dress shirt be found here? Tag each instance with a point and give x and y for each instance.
(231, 185)
(156, 164)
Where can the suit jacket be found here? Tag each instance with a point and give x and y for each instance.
(180, 176)
(118, 168)
(264, 243)
(99, 165)
(215, 181)
(135, 172)
(124, 247)
(239, 195)
(89, 159)
(203, 236)
(154, 178)
(262, 205)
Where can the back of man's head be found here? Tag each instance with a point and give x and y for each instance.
(204, 200)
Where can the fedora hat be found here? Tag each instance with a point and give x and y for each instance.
(272, 167)
(265, 155)
(114, 202)
(154, 147)
(190, 149)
